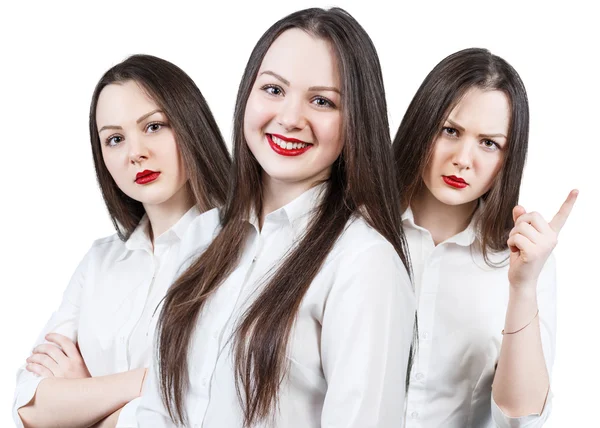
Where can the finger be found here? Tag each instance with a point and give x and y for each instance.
(39, 370)
(45, 361)
(537, 221)
(523, 244)
(66, 344)
(528, 231)
(52, 351)
(518, 211)
(563, 213)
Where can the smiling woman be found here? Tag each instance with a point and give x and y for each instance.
(301, 311)
(160, 162)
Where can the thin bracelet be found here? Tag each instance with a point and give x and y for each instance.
(142, 384)
(513, 332)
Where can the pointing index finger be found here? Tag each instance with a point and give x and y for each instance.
(559, 220)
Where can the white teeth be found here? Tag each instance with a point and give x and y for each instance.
(287, 145)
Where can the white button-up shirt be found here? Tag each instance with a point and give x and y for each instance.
(109, 304)
(462, 305)
(349, 347)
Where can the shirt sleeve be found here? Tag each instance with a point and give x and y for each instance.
(366, 336)
(64, 321)
(151, 411)
(546, 297)
(127, 417)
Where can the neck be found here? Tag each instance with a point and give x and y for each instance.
(163, 216)
(277, 193)
(441, 220)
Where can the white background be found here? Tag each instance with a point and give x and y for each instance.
(53, 53)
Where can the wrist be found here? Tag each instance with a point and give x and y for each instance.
(525, 290)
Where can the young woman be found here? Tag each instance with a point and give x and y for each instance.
(160, 161)
(484, 277)
(301, 312)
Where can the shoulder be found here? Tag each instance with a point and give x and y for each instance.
(362, 247)
(200, 233)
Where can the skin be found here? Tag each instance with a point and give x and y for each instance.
(293, 98)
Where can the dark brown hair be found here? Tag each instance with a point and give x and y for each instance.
(205, 156)
(362, 182)
(439, 93)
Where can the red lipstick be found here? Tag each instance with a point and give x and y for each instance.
(146, 176)
(286, 152)
(454, 181)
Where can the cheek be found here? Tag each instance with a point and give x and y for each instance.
(490, 167)
(258, 113)
(113, 163)
(329, 131)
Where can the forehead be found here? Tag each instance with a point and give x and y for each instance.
(487, 111)
(122, 102)
(302, 59)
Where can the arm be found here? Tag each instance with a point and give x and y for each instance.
(80, 402)
(522, 382)
(365, 341)
(64, 321)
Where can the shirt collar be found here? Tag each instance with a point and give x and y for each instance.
(296, 213)
(465, 238)
(140, 238)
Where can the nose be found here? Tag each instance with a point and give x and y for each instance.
(291, 115)
(463, 156)
(138, 152)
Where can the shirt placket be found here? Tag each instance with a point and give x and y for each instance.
(222, 327)
(138, 307)
(417, 394)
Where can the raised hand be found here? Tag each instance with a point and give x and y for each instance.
(532, 240)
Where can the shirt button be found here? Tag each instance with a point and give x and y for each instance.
(122, 339)
(419, 376)
(425, 336)
(414, 415)
(215, 334)
(204, 382)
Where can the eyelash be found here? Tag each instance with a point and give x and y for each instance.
(328, 102)
(445, 129)
(109, 139)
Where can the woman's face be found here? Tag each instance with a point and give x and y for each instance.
(138, 145)
(470, 149)
(293, 117)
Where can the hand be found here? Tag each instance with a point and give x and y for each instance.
(532, 240)
(61, 358)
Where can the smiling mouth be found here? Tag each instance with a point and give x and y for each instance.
(287, 146)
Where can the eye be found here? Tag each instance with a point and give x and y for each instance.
(323, 102)
(154, 127)
(491, 145)
(452, 132)
(272, 90)
(113, 140)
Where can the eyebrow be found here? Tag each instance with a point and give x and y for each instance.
(461, 129)
(142, 118)
(311, 89)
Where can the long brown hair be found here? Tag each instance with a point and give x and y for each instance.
(205, 156)
(361, 178)
(439, 93)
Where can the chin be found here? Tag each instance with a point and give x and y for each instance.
(453, 197)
